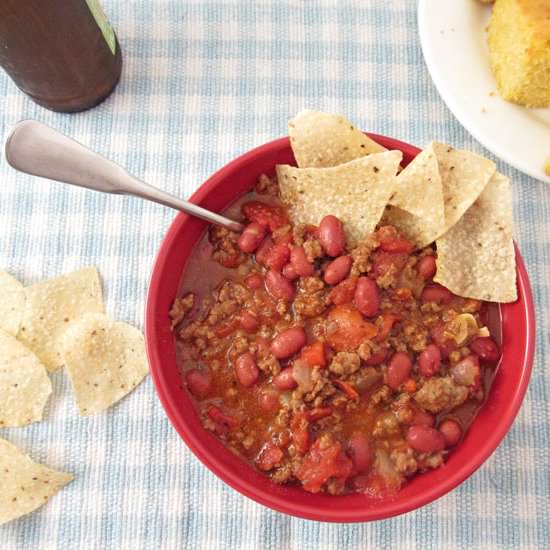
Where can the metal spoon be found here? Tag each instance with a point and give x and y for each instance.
(37, 149)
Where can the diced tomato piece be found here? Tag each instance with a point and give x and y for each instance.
(299, 427)
(392, 241)
(383, 261)
(218, 416)
(269, 456)
(316, 414)
(409, 385)
(346, 328)
(324, 460)
(265, 214)
(314, 354)
(343, 292)
(347, 388)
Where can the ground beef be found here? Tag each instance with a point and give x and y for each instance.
(181, 307)
(320, 386)
(299, 234)
(313, 249)
(269, 364)
(402, 409)
(389, 278)
(312, 297)
(415, 335)
(381, 395)
(335, 486)
(267, 186)
(429, 461)
(404, 461)
(368, 348)
(386, 425)
(188, 331)
(360, 255)
(440, 394)
(226, 252)
(344, 363)
(282, 472)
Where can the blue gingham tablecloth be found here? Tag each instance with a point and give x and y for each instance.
(204, 81)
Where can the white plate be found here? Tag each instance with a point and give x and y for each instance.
(454, 42)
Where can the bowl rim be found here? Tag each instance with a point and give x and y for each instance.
(388, 508)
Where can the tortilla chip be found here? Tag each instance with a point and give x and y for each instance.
(356, 192)
(475, 258)
(24, 384)
(105, 361)
(417, 207)
(25, 484)
(324, 139)
(12, 302)
(411, 226)
(464, 175)
(51, 305)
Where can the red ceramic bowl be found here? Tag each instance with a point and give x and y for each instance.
(488, 430)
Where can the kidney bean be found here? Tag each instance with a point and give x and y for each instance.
(263, 250)
(426, 267)
(269, 400)
(278, 256)
(285, 380)
(246, 369)
(289, 272)
(425, 440)
(248, 322)
(377, 358)
(279, 286)
(288, 342)
(360, 452)
(254, 281)
(337, 270)
(451, 431)
(486, 349)
(198, 382)
(299, 261)
(422, 418)
(398, 370)
(429, 361)
(367, 297)
(251, 237)
(331, 236)
(436, 293)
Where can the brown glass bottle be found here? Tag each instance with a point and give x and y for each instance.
(62, 53)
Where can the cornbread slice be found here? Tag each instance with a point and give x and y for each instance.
(519, 46)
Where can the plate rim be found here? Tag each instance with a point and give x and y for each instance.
(460, 114)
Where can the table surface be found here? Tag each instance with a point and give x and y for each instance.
(204, 81)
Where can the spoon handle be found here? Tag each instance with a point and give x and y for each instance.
(37, 149)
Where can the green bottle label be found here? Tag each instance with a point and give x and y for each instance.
(103, 23)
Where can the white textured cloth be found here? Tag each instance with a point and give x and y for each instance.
(204, 81)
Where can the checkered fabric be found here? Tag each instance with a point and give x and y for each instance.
(204, 81)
